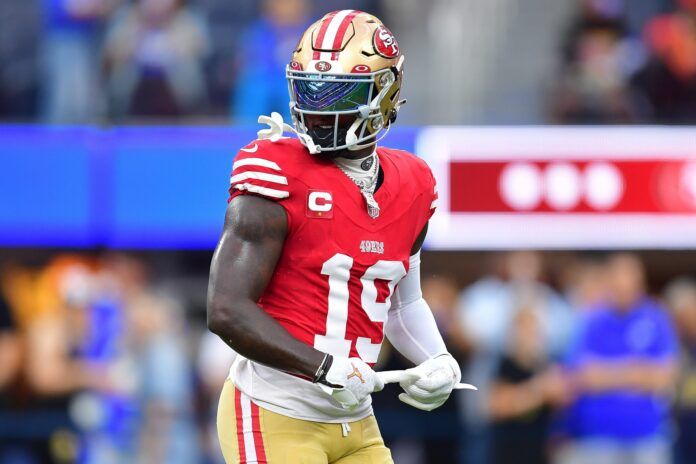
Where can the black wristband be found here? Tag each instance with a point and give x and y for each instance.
(320, 375)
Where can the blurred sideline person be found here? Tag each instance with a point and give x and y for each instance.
(72, 28)
(154, 53)
(166, 431)
(623, 369)
(668, 81)
(260, 86)
(10, 363)
(486, 311)
(442, 294)
(412, 436)
(52, 320)
(593, 86)
(525, 389)
(10, 345)
(680, 296)
(319, 231)
(213, 364)
(155, 368)
(584, 284)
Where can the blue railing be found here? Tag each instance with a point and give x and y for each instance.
(144, 187)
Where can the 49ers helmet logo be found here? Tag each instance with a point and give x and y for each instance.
(385, 43)
(322, 66)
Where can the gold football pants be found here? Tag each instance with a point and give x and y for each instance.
(252, 435)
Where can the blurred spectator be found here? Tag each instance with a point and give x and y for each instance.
(486, 310)
(584, 283)
(167, 430)
(441, 293)
(156, 369)
(70, 70)
(10, 359)
(524, 390)
(639, 12)
(599, 57)
(265, 51)
(154, 56)
(442, 444)
(53, 318)
(10, 346)
(155, 358)
(668, 81)
(623, 368)
(74, 355)
(20, 26)
(681, 298)
(213, 366)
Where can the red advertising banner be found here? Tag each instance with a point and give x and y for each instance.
(573, 186)
(563, 187)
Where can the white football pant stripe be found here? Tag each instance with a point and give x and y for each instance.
(247, 430)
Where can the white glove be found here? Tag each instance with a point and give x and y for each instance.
(350, 381)
(429, 384)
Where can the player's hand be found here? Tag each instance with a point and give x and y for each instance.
(430, 383)
(350, 381)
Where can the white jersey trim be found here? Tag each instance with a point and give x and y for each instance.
(259, 176)
(290, 396)
(256, 162)
(265, 191)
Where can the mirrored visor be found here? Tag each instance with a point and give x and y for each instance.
(322, 94)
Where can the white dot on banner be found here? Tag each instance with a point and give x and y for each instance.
(604, 185)
(687, 184)
(521, 186)
(563, 186)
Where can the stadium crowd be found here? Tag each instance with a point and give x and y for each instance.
(102, 363)
(130, 61)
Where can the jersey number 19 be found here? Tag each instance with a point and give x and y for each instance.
(337, 268)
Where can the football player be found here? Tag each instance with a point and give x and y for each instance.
(319, 260)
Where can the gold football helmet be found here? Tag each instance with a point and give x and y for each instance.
(344, 81)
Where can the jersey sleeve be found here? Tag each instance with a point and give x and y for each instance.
(432, 194)
(257, 171)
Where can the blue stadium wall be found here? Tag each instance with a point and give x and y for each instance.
(131, 188)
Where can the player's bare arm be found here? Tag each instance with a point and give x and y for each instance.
(242, 266)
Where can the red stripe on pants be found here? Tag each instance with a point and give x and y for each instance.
(240, 431)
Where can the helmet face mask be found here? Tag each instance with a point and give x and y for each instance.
(350, 104)
(342, 110)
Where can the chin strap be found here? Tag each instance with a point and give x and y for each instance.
(277, 127)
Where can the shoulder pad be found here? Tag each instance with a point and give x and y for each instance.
(258, 169)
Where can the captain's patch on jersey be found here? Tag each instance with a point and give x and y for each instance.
(372, 246)
(319, 204)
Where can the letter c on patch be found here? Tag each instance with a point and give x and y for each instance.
(320, 201)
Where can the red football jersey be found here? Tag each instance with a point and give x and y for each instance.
(332, 285)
